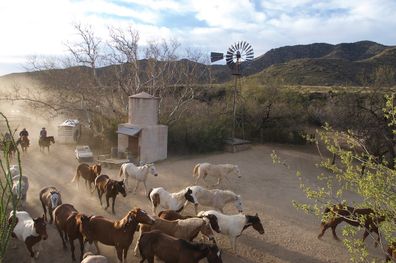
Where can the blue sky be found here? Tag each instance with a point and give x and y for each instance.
(42, 27)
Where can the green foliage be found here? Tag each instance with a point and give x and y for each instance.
(374, 187)
(8, 203)
(197, 134)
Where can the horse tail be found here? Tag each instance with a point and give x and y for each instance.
(195, 171)
(121, 170)
(77, 176)
(148, 195)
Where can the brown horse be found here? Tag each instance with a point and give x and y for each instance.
(104, 184)
(51, 198)
(24, 142)
(89, 173)
(9, 147)
(67, 220)
(46, 142)
(364, 217)
(170, 249)
(114, 233)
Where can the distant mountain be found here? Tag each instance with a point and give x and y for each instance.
(314, 64)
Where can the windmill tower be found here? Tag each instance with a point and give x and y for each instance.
(237, 55)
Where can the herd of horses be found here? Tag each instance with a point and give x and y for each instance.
(168, 235)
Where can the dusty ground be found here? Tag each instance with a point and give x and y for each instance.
(290, 235)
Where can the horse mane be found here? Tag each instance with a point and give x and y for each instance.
(124, 221)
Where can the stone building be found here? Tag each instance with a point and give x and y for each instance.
(142, 138)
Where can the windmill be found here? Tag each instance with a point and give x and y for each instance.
(237, 54)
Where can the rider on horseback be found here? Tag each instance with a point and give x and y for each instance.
(24, 134)
(43, 134)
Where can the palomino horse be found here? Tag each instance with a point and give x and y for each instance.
(51, 198)
(46, 142)
(234, 225)
(67, 222)
(170, 249)
(138, 172)
(29, 230)
(173, 201)
(111, 187)
(220, 171)
(114, 233)
(215, 198)
(365, 217)
(24, 142)
(89, 173)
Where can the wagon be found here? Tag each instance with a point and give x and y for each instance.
(83, 153)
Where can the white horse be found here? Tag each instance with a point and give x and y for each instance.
(28, 230)
(173, 201)
(138, 172)
(20, 187)
(219, 171)
(215, 198)
(233, 225)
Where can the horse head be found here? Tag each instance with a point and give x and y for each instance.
(152, 169)
(189, 196)
(119, 187)
(40, 227)
(214, 254)
(97, 169)
(141, 216)
(238, 203)
(255, 222)
(83, 222)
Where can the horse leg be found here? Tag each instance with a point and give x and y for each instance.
(45, 210)
(119, 254)
(112, 206)
(50, 213)
(323, 227)
(233, 244)
(107, 200)
(125, 253)
(99, 195)
(97, 247)
(61, 236)
(333, 230)
(145, 188)
(71, 241)
(80, 239)
(137, 185)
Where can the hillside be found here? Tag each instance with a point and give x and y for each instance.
(312, 64)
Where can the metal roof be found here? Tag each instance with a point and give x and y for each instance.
(128, 131)
(70, 123)
(143, 95)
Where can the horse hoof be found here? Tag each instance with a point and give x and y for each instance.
(37, 254)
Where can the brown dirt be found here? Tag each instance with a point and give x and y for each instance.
(290, 235)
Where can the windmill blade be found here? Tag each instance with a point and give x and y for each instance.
(215, 56)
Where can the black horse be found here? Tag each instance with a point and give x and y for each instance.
(46, 142)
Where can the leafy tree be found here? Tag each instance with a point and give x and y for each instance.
(375, 188)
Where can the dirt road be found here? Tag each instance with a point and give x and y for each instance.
(266, 189)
